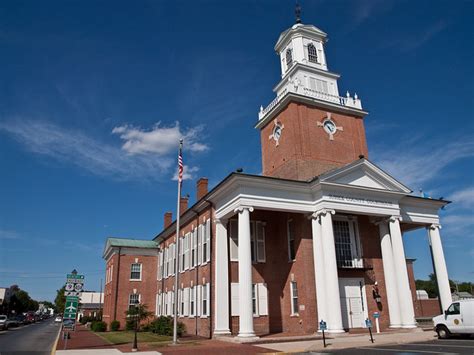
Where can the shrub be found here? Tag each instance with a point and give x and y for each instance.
(164, 326)
(115, 325)
(98, 326)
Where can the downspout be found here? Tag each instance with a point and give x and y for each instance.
(117, 283)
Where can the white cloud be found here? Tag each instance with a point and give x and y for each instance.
(84, 151)
(188, 173)
(416, 164)
(464, 197)
(159, 140)
(458, 224)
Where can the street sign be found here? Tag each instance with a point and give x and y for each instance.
(75, 276)
(368, 323)
(72, 293)
(69, 286)
(376, 315)
(322, 325)
(78, 287)
(70, 308)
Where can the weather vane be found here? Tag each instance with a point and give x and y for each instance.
(298, 12)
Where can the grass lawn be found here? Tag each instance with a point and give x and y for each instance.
(123, 337)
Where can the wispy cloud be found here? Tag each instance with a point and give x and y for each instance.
(367, 9)
(456, 224)
(464, 197)
(143, 156)
(188, 173)
(416, 40)
(159, 140)
(416, 164)
(8, 234)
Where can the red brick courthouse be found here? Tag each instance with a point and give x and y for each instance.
(317, 236)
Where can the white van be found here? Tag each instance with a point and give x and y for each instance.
(457, 319)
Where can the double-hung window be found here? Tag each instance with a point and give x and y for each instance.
(133, 300)
(206, 241)
(312, 53)
(294, 298)
(136, 271)
(346, 238)
(257, 241)
(205, 300)
(192, 301)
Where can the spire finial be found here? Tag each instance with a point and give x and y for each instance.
(298, 12)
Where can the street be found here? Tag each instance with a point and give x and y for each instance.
(37, 338)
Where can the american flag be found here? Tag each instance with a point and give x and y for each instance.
(180, 165)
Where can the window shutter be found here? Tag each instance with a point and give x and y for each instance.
(260, 242)
(160, 259)
(198, 300)
(262, 299)
(172, 258)
(208, 239)
(165, 264)
(234, 241)
(157, 304)
(186, 302)
(199, 244)
(208, 297)
(234, 294)
(186, 251)
(194, 247)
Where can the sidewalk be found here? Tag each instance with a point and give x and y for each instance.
(351, 341)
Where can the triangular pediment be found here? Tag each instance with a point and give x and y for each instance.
(363, 173)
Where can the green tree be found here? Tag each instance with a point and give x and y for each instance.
(60, 300)
(139, 312)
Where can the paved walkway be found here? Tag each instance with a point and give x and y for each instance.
(352, 341)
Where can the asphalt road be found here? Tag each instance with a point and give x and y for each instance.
(438, 346)
(32, 339)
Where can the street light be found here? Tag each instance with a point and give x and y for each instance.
(136, 316)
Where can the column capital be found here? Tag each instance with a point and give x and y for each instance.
(321, 212)
(394, 218)
(434, 226)
(242, 208)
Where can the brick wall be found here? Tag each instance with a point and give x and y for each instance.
(305, 150)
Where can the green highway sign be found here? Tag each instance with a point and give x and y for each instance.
(70, 308)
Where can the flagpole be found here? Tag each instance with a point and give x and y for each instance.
(176, 254)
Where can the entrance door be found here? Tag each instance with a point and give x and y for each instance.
(353, 302)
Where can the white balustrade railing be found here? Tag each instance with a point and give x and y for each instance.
(347, 101)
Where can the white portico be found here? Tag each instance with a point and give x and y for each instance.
(357, 189)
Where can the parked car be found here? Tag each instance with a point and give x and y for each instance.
(30, 317)
(13, 322)
(3, 322)
(21, 319)
(458, 319)
(58, 319)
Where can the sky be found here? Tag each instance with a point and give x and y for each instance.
(94, 96)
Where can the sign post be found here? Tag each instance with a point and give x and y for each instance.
(323, 327)
(72, 291)
(368, 324)
(376, 317)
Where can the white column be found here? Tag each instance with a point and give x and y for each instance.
(245, 274)
(318, 256)
(333, 304)
(389, 274)
(407, 313)
(221, 280)
(440, 266)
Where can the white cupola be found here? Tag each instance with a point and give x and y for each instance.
(304, 70)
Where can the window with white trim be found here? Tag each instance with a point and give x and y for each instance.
(158, 304)
(136, 271)
(199, 251)
(206, 241)
(291, 240)
(159, 267)
(312, 53)
(205, 300)
(171, 258)
(181, 252)
(192, 301)
(347, 243)
(194, 248)
(294, 298)
(186, 251)
(257, 241)
(133, 300)
(259, 299)
(181, 302)
(165, 263)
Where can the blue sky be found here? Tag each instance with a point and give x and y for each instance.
(94, 95)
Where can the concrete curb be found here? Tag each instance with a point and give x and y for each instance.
(53, 350)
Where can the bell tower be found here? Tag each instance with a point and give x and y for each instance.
(308, 128)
